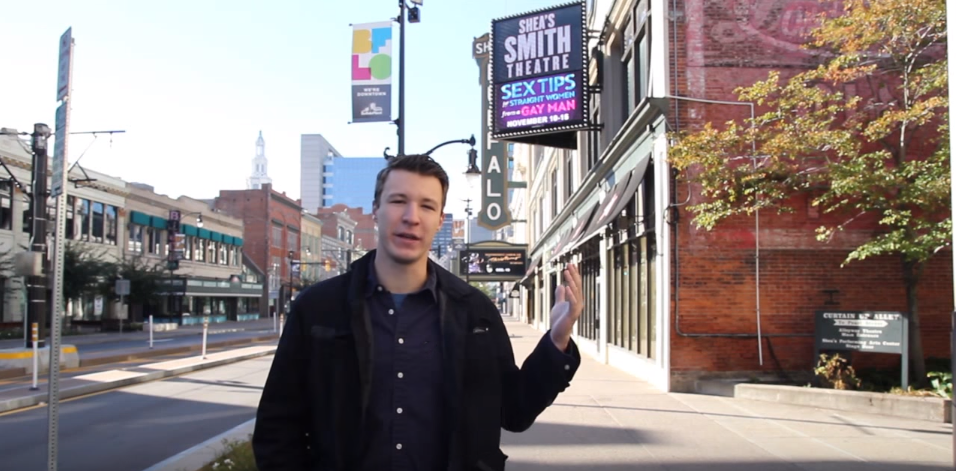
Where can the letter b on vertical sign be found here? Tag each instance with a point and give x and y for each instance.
(495, 213)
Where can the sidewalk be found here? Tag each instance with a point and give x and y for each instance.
(609, 421)
(107, 337)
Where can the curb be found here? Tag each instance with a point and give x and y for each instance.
(203, 453)
(82, 390)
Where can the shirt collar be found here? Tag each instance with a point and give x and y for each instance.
(431, 282)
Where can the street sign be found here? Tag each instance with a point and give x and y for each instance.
(66, 63)
(122, 287)
(864, 331)
(296, 268)
(59, 149)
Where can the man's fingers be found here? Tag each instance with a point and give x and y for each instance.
(559, 294)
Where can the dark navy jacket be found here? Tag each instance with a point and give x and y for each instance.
(316, 402)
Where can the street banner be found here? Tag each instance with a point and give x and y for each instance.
(372, 72)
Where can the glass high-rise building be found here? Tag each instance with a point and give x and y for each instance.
(326, 178)
(351, 181)
(442, 243)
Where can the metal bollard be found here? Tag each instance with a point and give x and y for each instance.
(150, 332)
(281, 323)
(205, 333)
(35, 329)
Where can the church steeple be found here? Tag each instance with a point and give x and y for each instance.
(260, 166)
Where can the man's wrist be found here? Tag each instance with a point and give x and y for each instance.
(562, 344)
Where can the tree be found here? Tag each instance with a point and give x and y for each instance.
(84, 270)
(145, 280)
(881, 154)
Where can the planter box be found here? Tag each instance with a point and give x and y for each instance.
(934, 409)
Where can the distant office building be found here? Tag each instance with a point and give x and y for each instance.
(314, 151)
(260, 166)
(351, 181)
(327, 178)
(442, 242)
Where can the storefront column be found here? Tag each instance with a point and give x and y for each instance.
(603, 301)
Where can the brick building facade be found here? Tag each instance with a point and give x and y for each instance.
(272, 223)
(666, 301)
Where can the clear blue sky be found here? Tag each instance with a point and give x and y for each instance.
(193, 82)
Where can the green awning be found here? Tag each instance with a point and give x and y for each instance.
(215, 236)
(189, 230)
(237, 241)
(137, 217)
(204, 233)
(159, 222)
(228, 239)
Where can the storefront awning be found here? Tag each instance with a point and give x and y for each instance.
(533, 267)
(616, 200)
(575, 235)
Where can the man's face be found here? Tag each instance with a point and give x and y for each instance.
(409, 214)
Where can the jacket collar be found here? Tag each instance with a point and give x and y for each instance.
(446, 282)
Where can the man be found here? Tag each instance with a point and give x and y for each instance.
(400, 365)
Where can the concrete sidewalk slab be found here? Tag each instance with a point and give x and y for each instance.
(608, 420)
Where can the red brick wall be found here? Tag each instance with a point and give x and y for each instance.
(722, 45)
(250, 206)
(282, 208)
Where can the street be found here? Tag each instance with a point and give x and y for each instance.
(133, 428)
(119, 343)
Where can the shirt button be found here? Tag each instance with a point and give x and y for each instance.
(401, 341)
(379, 288)
(398, 446)
(399, 410)
(391, 311)
(401, 375)
(567, 367)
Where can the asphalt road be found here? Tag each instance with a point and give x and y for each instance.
(134, 428)
(117, 343)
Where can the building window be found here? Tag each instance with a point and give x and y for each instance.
(210, 252)
(554, 193)
(111, 224)
(70, 229)
(568, 175)
(85, 220)
(277, 236)
(188, 249)
(636, 58)
(153, 240)
(135, 242)
(223, 256)
(293, 240)
(200, 250)
(97, 222)
(588, 326)
(6, 205)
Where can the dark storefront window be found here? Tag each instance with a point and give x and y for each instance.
(111, 225)
(6, 205)
(632, 281)
(590, 269)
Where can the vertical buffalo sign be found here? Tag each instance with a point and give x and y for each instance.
(494, 213)
(372, 72)
(539, 72)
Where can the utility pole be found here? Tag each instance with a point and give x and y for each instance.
(37, 285)
(400, 121)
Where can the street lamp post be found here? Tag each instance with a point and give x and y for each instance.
(472, 176)
(414, 16)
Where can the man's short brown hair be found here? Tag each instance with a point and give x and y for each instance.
(420, 164)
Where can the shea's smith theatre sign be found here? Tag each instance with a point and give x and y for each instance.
(539, 72)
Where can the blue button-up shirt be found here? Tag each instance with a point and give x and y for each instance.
(405, 422)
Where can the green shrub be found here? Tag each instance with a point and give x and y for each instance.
(835, 372)
(236, 456)
(942, 383)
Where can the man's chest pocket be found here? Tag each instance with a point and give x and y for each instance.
(331, 346)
